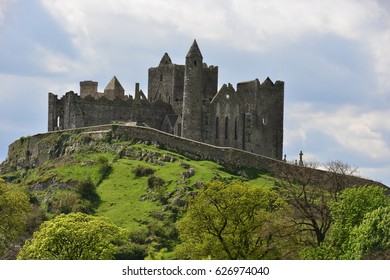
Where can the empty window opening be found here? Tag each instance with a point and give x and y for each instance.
(161, 78)
(179, 129)
(235, 129)
(226, 128)
(217, 128)
(195, 62)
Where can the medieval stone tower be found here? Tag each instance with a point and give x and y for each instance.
(184, 100)
(193, 94)
(200, 85)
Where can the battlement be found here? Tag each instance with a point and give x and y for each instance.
(88, 88)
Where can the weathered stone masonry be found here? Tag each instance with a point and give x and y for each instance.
(35, 150)
(184, 100)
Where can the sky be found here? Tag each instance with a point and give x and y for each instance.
(333, 56)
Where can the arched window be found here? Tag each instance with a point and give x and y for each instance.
(226, 128)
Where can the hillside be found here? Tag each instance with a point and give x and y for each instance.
(138, 184)
(125, 197)
(137, 177)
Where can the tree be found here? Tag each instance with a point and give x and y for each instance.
(14, 207)
(310, 192)
(348, 214)
(371, 239)
(75, 236)
(309, 201)
(231, 221)
(338, 174)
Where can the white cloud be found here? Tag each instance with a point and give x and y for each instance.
(4, 5)
(363, 133)
(374, 173)
(379, 43)
(247, 25)
(57, 63)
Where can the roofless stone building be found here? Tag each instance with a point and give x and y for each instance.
(183, 100)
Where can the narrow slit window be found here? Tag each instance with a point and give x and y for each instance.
(217, 128)
(226, 128)
(235, 129)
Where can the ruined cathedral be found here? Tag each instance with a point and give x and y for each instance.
(183, 100)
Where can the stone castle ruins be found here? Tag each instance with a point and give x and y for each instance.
(183, 100)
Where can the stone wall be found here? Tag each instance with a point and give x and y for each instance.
(249, 118)
(35, 150)
(232, 159)
(72, 111)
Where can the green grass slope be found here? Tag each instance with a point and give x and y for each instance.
(130, 200)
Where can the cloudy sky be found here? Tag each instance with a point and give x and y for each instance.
(333, 55)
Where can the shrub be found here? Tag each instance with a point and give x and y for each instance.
(131, 251)
(87, 190)
(64, 203)
(142, 171)
(104, 166)
(157, 189)
(155, 182)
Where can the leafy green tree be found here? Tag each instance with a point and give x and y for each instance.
(350, 210)
(231, 221)
(371, 239)
(348, 214)
(14, 207)
(75, 236)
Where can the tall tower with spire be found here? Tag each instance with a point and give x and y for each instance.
(193, 94)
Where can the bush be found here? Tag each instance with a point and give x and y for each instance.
(155, 182)
(104, 167)
(131, 251)
(142, 171)
(64, 203)
(157, 189)
(87, 190)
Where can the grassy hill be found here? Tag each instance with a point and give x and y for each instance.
(143, 185)
(127, 198)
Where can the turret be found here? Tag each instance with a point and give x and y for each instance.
(88, 88)
(114, 90)
(193, 94)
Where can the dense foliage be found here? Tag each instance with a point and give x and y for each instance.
(231, 221)
(75, 236)
(14, 207)
(360, 228)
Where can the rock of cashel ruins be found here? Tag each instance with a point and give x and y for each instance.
(183, 100)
